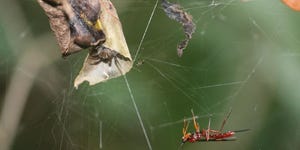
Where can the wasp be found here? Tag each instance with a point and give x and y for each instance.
(207, 134)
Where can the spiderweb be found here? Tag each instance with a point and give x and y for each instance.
(243, 56)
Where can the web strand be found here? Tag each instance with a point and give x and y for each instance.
(100, 134)
(137, 112)
(127, 83)
(145, 32)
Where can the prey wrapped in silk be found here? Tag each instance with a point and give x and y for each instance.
(175, 12)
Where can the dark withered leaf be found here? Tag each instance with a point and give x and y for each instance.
(84, 22)
(175, 12)
(60, 26)
(74, 23)
(91, 8)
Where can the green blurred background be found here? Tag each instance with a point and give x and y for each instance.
(244, 55)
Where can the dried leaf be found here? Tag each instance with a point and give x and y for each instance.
(175, 12)
(111, 59)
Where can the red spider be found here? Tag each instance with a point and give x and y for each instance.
(208, 134)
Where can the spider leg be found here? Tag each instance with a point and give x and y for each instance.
(96, 62)
(196, 125)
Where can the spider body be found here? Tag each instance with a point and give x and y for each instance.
(105, 55)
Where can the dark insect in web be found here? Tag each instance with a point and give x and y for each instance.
(175, 12)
